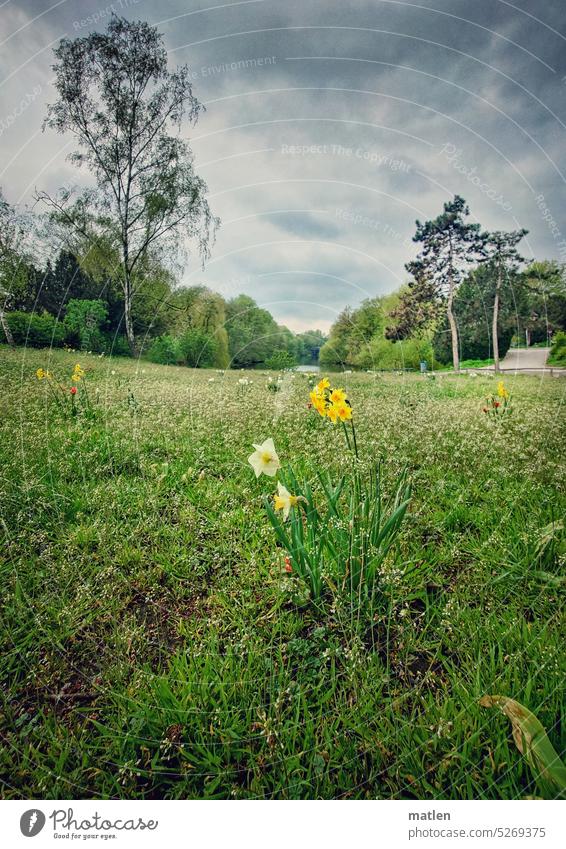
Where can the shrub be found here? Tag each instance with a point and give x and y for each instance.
(38, 330)
(165, 350)
(381, 353)
(558, 349)
(280, 360)
(331, 355)
(84, 320)
(116, 346)
(197, 349)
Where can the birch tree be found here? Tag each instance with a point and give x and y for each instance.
(124, 106)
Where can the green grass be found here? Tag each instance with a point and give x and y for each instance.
(476, 363)
(153, 645)
(466, 364)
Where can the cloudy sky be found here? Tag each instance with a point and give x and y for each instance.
(330, 127)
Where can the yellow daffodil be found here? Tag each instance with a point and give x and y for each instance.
(318, 401)
(264, 460)
(337, 396)
(78, 372)
(334, 404)
(43, 374)
(343, 411)
(284, 500)
(332, 413)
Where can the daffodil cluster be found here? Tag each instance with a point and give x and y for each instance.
(332, 403)
(342, 544)
(497, 405)
(65, 396)
(78, 373)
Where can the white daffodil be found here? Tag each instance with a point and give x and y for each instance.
(264, 459)
(284, 500)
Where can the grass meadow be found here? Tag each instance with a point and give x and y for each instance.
(156, 645)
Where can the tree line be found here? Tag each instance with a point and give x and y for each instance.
(112, 251)
(110, 284)
(470, 294)
(77, 299)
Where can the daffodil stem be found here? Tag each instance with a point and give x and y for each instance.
(86, 395)
(354, 436)
(347, 437)
(54, 394)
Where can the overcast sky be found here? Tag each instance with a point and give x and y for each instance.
(330, 127)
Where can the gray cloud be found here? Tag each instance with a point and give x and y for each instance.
(330, 127)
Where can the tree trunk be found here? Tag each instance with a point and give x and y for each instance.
(6, 328)
(128, 314)
(453, 329)
(495, 323)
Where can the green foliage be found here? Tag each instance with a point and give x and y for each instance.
(339, 347)
(197, 349)
(280, 360)
(357, 337)
(541, 307)
(473, 304)
(309, 344)
(117, 345)
(449, 244)
(222, 355)
(84, 323)
(253, 333)
(381, 353)
(36, 330)
(165, 350)
(353, 330)
(200, 310)
(558, 349)
(338, 540)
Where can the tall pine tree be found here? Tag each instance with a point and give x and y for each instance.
(449, 245)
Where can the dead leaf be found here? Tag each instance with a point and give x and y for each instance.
(531, 739)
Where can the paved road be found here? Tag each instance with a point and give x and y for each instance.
(526, 361)
(519, 358)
